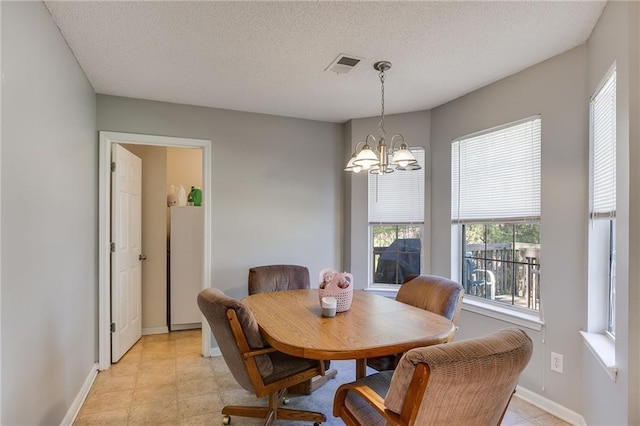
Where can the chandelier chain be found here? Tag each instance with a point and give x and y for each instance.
(383, 133)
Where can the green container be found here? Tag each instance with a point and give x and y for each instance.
(196, 196)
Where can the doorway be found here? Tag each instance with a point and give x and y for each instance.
(107, 140)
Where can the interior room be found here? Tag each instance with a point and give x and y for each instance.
(256, 84)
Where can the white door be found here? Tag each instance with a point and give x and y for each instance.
(126, 237)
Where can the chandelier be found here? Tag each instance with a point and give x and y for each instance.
(384, 159)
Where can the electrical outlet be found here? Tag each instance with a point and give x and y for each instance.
(556, 362)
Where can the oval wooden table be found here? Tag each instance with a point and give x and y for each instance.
(292, 322)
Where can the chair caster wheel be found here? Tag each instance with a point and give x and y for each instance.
(226, 419)
(285, 401)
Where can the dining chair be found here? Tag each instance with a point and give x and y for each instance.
(432, 293)
(269, 278)
(263, 279)
(256, 367)
(469, 382)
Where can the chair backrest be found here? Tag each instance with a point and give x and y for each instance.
(213, 304)
(435, 294)
(264, 279)
(469, 382)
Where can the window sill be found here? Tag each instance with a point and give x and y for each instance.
(604, 350)
(512, 316)
(390, 291)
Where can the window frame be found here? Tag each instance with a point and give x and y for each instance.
(599, 337)
(601, 236)
(512, 313)
(385, 288)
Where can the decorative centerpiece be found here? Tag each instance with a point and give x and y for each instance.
(338, 285)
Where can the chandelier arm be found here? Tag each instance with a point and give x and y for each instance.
(359, 144)
(394, 140)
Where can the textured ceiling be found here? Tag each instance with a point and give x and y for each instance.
(270, 57)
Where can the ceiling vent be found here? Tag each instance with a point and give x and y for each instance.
(343, 63)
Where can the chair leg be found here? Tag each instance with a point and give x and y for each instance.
(273, 412)
(318, 381)
(305, 388)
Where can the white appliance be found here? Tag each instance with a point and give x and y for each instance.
(186, 267)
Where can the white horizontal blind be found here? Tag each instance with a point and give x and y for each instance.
(495, 175)
(398, 197)
(603, 145)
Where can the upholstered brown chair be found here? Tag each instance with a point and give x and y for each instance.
(264, 279)
(435, 294)
(469, 382)
(269, 278)
(256, 367)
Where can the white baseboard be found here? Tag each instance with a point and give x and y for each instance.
(155, 330)
(550, 406)
(70, 417)
(189, 326)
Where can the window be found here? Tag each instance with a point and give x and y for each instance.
(396, 224)
(495, 211)
(602, 239)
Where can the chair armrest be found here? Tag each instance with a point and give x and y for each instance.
(257, 352)
(369, 396)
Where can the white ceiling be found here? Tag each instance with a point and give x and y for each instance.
(270, 57)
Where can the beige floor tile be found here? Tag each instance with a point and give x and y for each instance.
(105, 383)
(116, 370)
(190, 356)
(242, 397)
(198, 372)
(169, 345)
(153, 414)
(226, 381)
(195, 334)
(203, 386)
(158, 366)
(203, 420)
(154, 394)
(219, 365)
(158, 356)
(175, 385)
(106, 402)
(158, 338)
(543, 420)
(198, 405)
(103, 418)
(156, 378)
(523, 408)
(185, 363)
(130, 357)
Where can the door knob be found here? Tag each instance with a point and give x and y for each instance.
(142, 257)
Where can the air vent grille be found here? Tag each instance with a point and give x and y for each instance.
(343, 63)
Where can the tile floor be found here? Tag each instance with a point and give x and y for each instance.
(163, 380)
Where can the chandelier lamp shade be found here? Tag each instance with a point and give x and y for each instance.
(382, 159)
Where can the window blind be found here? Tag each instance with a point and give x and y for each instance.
(495, 175)
(603, 145)
(398, 197)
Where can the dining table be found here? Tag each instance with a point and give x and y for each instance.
(291, 321)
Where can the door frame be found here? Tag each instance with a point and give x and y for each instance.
(104, 228)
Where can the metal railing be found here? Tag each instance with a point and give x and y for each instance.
(514, 270)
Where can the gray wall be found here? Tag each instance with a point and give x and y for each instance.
(276, 184)
(615, 39)
(559, 90)
(49, 219)
(556, 90)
